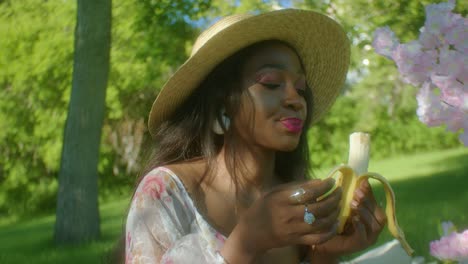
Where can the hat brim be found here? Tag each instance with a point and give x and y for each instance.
(319, 41)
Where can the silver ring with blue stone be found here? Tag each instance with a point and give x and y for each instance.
(309, 217)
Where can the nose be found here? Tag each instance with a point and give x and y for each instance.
(293, 100)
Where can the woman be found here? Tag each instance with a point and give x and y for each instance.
(227, 184)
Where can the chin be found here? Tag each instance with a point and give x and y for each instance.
(288, 146)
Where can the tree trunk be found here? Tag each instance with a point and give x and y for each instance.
(77, 200)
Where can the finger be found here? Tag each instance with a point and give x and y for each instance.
(365, 197)
(321, 209)
(310, 191)
(377, 211)
(361, 199)
(320, 225)
(325, 213)
(364, 191)
(315, 239)
(373, 227)
(327, 206)
(380, 216)
(359, 228)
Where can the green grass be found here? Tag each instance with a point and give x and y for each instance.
(31, 241)
(429, 187)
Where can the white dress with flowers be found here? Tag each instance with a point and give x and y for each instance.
(164, 226)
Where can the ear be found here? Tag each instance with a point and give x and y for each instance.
(218, 128)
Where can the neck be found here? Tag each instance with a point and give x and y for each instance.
(255, 171)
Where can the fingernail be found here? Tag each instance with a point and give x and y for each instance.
(354, 204)
(297, 195)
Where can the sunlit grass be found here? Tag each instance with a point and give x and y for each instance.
(429, 187)
(31, 241)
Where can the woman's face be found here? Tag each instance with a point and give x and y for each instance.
(272, 107)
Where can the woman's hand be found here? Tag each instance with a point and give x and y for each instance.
(277, 220)
(362, 231)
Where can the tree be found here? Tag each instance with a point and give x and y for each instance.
(77, 204)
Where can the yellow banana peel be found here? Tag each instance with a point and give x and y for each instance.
(349, 177)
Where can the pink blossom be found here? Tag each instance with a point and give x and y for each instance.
(451, 90)
(154, 186)
(457, 34)
(385, 41)
(451, 247)
(438, 16)
(433, 111)
(455, 119)
(430, 110)
(437, 64)
(429, 40)
(451, 62)
(414, 64)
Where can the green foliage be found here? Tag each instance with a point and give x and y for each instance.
(149, 42)
(35, 57)
(150, 39)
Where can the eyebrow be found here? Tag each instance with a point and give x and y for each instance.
(277, 66)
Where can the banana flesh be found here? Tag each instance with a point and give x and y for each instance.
(349, 177)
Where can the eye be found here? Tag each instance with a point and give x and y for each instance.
(301, 86)
(271, 85)
(301, 92)
(270, 79)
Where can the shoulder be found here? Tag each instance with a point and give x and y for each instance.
(161, 210)
(160, 197)
(181, 179)
(158, 183)
(190, 174)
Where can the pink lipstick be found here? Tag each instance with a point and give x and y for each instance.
(293, 125)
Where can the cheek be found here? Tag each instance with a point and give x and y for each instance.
(266, 104)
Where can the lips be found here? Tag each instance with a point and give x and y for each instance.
(292, 124)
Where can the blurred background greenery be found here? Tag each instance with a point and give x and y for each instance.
(150, 39)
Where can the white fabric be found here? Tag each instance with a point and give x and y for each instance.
(164, 226)
(389, 253)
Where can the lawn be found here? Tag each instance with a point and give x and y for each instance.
(430, 187)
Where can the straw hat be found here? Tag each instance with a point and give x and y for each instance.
(320, 42)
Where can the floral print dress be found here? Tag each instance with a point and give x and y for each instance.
(164, 226)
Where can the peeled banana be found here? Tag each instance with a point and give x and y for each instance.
(349, 177)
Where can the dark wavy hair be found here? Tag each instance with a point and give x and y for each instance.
(188, 134)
